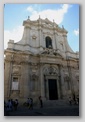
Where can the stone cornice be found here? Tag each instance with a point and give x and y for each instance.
(22, 46)
(46, 24)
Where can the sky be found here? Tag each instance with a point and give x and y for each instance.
(63, 14)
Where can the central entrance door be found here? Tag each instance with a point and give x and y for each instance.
(53, 94)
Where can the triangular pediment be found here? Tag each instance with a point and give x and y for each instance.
(48, 21)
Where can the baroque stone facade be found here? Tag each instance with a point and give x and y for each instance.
(41, 63)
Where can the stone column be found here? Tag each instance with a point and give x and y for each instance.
(54, 34)
(42, 83)
(40, 35)
(71, 78)
(47, 90)
(25, 81)
(63, 91)
(7, 78)
(59, 89)
(55, 41)
(22, 82)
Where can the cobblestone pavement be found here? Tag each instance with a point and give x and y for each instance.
(48, 111)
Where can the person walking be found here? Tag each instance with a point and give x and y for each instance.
(16, 104)
(70, 101)
(31, 103)
(41, 102)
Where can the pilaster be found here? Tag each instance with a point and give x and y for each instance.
(25, 82)
(42, 83)
(63, 90)
(7, 78)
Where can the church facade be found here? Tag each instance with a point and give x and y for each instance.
(41, 63)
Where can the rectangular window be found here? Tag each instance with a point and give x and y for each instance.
(15, 83)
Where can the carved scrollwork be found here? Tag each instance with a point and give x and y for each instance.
(66, 78)
(51, 71)
(49, 51)
(16, 69)
(77, 76)
(34, 37)
(34, 77)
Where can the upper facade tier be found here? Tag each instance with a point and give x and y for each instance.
(41, 36)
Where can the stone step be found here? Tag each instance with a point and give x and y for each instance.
(55, 103)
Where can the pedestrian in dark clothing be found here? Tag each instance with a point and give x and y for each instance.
(41, 103)
(31, 103)
(74, 98)
(77, 99)
(70, 101)
(28, 103)
(12, 102)
(15, 104)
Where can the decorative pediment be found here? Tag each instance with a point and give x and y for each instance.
(51, 71)
(47, 23)
(48, 51)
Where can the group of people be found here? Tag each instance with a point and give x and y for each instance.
(74, 100)
(11, 105)
(29, 103)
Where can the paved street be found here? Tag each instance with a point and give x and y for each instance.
(48, 111)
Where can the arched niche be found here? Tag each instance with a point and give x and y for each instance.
(48, 41)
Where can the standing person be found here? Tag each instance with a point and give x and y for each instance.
(78, 99)
(5, 108)
(41, 103)
(74, 98)
(15, 104)
(28, 102)
(70, 101)
(5, 105)
(12, 104)
(9, 105)
(31, 103)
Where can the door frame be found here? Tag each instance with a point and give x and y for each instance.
(51, 93)
(47, 87)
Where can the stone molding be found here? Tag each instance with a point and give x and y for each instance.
(50, 70)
